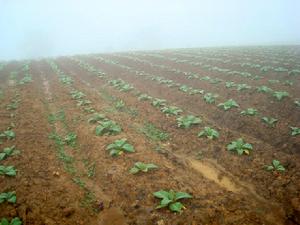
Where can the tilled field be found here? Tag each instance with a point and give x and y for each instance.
(58, 117)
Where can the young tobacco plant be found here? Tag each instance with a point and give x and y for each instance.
(119, 146)
(249, 112)
(8, 171)
(240, 147)
(8, 151)
(159, 102)
(171, 110)
(208, 132)
(241, 87)
(269, 121)
(14, 221)
(8, 134)
(77, 94)
(70, 139)
(144, 97)
(276, 165)
(295, 131)
(171, 199)
(96, 118)
(279, 95)
(142, 167)
(228, 104)
(297, 103)
(187, 121)
(210, 98)
(230, 84)
(108, 127)
(264, 89)
(9, 197)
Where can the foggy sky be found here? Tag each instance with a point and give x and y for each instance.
(34, 28)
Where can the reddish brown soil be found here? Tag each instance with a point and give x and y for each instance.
(226, 188)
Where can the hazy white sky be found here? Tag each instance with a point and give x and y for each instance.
(32, 28)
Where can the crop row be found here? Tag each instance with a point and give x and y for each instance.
(209, 98)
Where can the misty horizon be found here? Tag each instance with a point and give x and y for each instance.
(34, 29)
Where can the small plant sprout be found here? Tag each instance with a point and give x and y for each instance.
(269, 121)
(279, 95)
(276, 165)
(70, 139)
(8, 134)
(210, 98)
(241, 87)
(144, 97)
(14, 221)
(142, 167)
(264, 89)
(240, 147)
(108, 127)
(159, 102)
(295, 131)
(119, 146)
(208, 132)
(8, 151)
(10, 197)
(249, 112)
(77, 94)
(96, 118)
(120, 104)
(171, 199)
(230, 84)
(228, 104)
(297, 103)
(187, 121)
(171, 110)
(196, 91)
(8, 171)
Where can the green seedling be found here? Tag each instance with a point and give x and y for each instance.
(249, 112)
(276, 165)
(241, 87)
(269, 121)
(288, 83)
(120, 104)
(142, 167)
(264, 89)
(108, 127)
(89, 110)
(14, 221)
(240, 147)
(297, 103)
(208, 132)
(159, 102)
(26, 79)
(8, 171)
(184, 88)
(171, 110)
(13, 106)
(187, 121)
(77, 94)
(228, 104)
(9, 197)
(144, 97)
(8, 134)
(196, 91)
(294, 72)
(8, 151)
(279, 95)
(83, 102)
(230, 84)
(210, 98)
(274, 81)
(171, 199)
(70, 139)
(154, 133)
(119, 147)
(65, 79)
(295, 131)
(96, 118)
